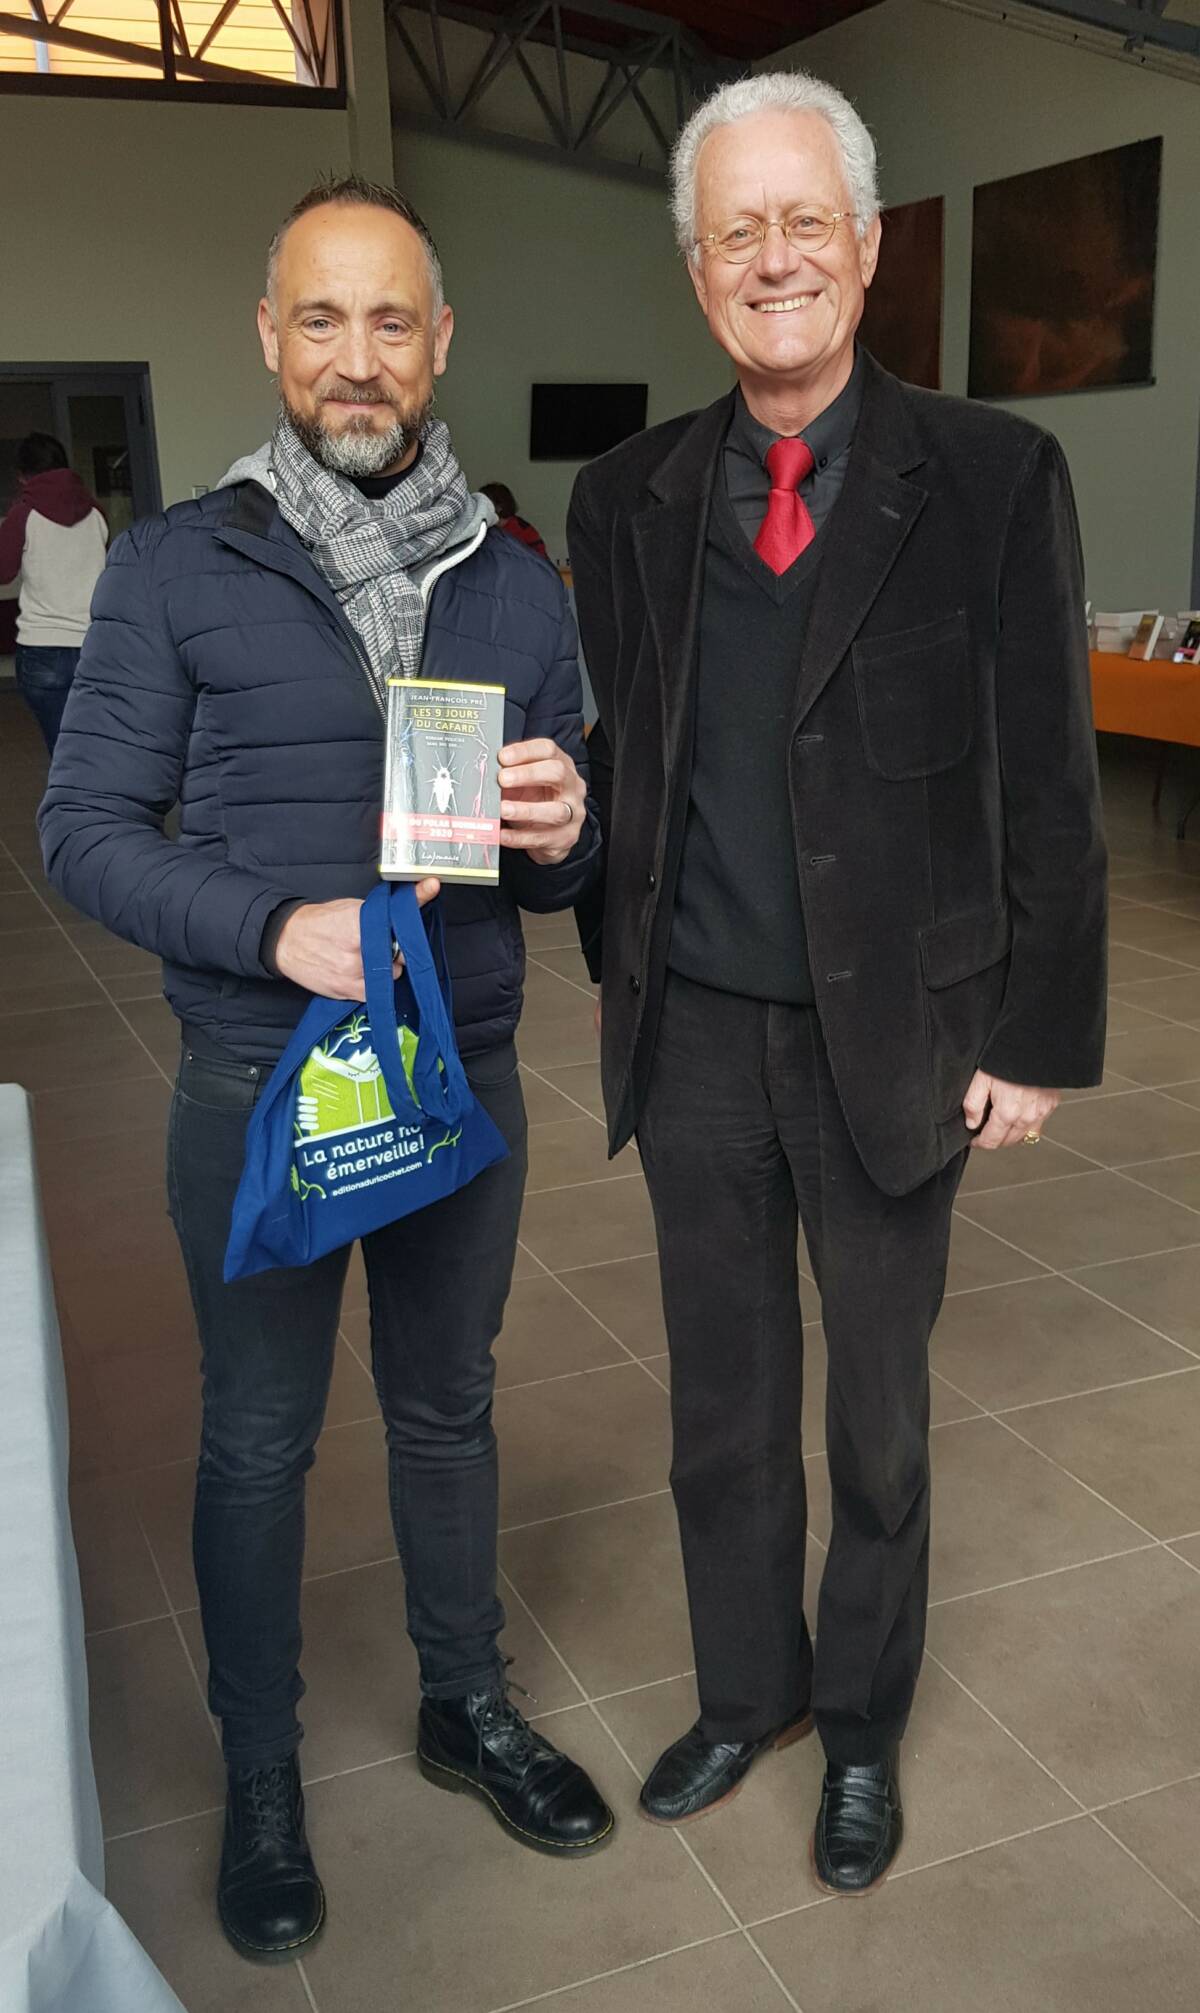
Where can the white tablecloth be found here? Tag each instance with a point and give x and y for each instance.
(63, 1948)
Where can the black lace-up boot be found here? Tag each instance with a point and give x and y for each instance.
(482, 1744)
(859, 1826)
(269, 1898)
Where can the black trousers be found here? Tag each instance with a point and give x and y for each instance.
(742, 1138)
(438, 1281)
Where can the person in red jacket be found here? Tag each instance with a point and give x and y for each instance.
(54, 536)
(515, 525)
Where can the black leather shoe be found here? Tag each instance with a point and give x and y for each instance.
(696, 1775)
(269, 1898)
(482, 1744)
(859, 1826)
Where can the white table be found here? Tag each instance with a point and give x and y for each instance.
(63, 1947)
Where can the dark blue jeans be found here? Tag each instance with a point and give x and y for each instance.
(438, 1282)
(44, 680)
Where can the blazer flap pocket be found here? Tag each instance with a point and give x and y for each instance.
(964, 945)
(909, 642)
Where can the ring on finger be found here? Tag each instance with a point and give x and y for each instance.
(1032, 1139)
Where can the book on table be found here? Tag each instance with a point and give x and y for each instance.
(1169, 635)
(1187, 650)
(1149, 630)
(1115, 632)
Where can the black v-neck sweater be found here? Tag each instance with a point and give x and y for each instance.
(738, 923)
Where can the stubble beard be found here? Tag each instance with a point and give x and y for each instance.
(358, 450)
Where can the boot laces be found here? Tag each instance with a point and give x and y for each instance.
(267, 1804)
(501, 1722)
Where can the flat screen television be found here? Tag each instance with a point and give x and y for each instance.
(575, 422)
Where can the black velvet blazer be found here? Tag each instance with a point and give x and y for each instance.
(941, 759)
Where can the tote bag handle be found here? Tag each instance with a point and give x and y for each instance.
(391, 912)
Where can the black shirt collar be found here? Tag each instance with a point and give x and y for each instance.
(829, 435)
(375, 486)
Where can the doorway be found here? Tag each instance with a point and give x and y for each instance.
(103, 417)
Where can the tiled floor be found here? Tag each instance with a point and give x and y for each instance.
(1053, 1765)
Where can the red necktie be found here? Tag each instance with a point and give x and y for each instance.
(787, 527)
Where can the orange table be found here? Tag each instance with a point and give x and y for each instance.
(1158, 701)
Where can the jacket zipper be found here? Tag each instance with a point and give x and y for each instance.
(426, 591)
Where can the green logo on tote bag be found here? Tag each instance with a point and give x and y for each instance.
(346, 1134)
(341, 1084)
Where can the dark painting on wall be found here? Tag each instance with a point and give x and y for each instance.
(1062, 279)
(902, 323)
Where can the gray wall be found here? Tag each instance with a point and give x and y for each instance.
(142, 235)
(953, 100)
(552, 273)
(142, 232)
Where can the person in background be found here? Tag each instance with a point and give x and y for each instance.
(54, 537)
(511, 521)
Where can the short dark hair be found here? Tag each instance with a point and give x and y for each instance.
(357, 189)
(38, 453)
(502, 496)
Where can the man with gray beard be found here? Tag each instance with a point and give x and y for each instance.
(236, 666)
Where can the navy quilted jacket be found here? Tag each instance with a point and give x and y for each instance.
(220, 674)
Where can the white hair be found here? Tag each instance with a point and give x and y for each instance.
(773, 91)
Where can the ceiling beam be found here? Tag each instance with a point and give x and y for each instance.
(1141, 25)
(437, 90)
(599, 117)
(612, 169)
(647, 42)
(507, 37)
(640, 22)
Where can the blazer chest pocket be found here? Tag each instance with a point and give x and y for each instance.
(915, 698)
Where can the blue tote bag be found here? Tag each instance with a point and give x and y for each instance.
(367, 1115)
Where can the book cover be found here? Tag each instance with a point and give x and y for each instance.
(1187, 650)
(441, 790)
(1149, 630)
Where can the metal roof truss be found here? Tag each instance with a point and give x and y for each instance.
(649, 42)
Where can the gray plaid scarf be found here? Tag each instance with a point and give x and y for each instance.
(372, 551)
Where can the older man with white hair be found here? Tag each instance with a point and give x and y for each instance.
(854, 918)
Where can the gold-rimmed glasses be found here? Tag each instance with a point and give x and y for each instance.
(742, 238)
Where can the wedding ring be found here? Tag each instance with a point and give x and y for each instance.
(568, 814)
(1032, 1139)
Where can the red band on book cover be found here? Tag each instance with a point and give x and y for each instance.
(412, 827)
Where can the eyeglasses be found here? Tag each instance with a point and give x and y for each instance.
(743, 238)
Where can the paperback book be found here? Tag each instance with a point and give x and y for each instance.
(1115, 632)
(1168, 641)
(441, 790)
(1149, 630)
